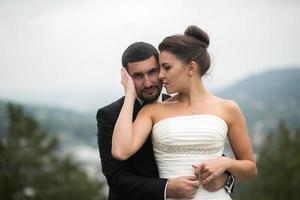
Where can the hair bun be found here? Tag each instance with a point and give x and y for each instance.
(197, 33)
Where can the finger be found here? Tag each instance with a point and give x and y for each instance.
(205, 175)
(194, 166)
(198, 166)
(205, 184)
(209, 184)
(208, 179)
(197, 169)
(200, 179)
(195, 184)
(192, 178)
(125, 72)
(123, 76)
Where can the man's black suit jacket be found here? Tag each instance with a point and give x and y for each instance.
(135, 178)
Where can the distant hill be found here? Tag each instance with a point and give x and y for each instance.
(72, 128)
(264, 98)
(267, 98)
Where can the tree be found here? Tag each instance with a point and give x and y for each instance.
(278, 168)
(31, 166)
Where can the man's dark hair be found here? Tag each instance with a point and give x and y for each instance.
(138, 51)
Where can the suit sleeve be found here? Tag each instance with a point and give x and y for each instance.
(120, 178)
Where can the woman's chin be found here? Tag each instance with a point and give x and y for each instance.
(170, 91)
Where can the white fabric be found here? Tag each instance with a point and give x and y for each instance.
(181, 141)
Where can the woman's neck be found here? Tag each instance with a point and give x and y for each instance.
(194, 93)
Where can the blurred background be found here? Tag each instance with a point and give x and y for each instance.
(60, 61)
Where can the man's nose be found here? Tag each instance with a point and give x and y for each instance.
(147, 82)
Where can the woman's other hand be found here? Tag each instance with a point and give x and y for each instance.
(211, 169)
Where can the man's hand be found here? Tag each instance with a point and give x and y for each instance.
(182, 187)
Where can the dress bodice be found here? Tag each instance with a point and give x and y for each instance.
(181, 141)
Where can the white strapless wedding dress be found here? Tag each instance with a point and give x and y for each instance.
(181, 141)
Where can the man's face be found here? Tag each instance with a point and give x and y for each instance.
(145, 77)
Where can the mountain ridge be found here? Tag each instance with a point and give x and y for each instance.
(265, 99)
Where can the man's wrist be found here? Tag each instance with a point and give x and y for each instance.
(229, 185)
(166, 195)
(168, 189)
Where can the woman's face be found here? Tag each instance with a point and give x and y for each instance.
(173, 72)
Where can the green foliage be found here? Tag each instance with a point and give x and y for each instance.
(31, 167)
(278, 168)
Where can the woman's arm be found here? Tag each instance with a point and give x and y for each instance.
(244, 166)
(129, 137)
(120, 176)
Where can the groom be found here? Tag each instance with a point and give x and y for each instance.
(137, 177)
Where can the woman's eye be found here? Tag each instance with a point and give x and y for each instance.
(167, 67)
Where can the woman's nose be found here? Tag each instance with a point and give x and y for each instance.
(161, 75)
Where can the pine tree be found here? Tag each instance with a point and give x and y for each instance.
(31, 166)
(278, 168)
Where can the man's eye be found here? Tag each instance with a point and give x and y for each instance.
(153, 72)
(137, 76)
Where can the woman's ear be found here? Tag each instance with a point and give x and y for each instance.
(192, 68)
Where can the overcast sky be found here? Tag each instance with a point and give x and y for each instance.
(67, 52)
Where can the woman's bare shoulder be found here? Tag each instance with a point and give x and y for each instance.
(227, 104)
(230, 109)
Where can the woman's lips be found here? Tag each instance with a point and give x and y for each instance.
(166, 85)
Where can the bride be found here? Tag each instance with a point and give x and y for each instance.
(192, 126)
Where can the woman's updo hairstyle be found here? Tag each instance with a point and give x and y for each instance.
(192, 46)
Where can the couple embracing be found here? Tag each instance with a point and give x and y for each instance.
(153, 146)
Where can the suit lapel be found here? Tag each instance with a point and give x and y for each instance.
(137, 107)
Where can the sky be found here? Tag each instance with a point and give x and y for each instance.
(67, 53)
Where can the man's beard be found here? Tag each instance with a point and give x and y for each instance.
(148, 98)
